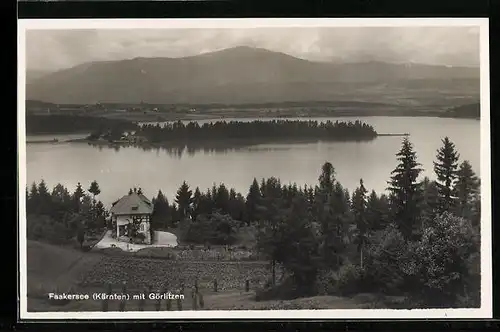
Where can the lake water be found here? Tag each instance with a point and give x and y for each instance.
(117, 171)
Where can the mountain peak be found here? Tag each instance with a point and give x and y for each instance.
(241, 50)
(241, 74)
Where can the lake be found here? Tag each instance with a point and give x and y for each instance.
(118, 170)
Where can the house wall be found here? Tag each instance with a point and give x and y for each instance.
(144, 227)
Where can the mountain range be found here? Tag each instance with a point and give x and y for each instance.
(248, 75)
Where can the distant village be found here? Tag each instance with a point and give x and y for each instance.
(40, 108)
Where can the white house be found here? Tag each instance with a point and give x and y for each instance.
(130, 209)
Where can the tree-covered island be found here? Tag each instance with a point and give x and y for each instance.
(194, 134)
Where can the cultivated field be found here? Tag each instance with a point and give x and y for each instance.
(57, 269)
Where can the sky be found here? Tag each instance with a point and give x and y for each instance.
(51, 50)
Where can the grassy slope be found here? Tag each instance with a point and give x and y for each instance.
(53, 268)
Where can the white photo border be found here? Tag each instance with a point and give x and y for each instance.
(485, 311)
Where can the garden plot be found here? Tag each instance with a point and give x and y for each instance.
(162, 239)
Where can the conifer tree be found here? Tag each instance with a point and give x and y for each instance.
(197, 203)
(184, 200)
(252, 201)
(77, 196)
(94, 189)
(222, 199)
(429, 203)
(161, 214)
(466, 189)
(359, 209)
(405, 190)
(446, 171)
(298, 247)
(327, 178)
(32, 202)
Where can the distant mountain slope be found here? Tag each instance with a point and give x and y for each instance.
(465, 111)
(33, 74)
(236, 75)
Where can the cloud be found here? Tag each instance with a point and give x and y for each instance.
(56, 49)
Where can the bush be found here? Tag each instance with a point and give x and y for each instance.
(447, 263)
(387, 261)
(352, 279)
(326, 283)
(45, 228)
(86, 248)
(287, 290)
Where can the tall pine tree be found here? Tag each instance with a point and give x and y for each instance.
(429, 202)
(359, 209)
(161, 213)
(466, 190)
(184, 200)
(252, 201)
(77, 196)
(405, 190)
(94, 189)
(446, 171)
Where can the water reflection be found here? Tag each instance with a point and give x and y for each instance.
(179, 151)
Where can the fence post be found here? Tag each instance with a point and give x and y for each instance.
(194, 298)
(179, 304)
(142, 301)
(215, 285)
(124, 292)
(247, 285)
(202, 302)
(158, 301)
(168, 302)
(105, 302)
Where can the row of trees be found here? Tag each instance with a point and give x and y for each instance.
(422, 235)
(258, 130)
(59, 216)
(422, 239)
(66, 123)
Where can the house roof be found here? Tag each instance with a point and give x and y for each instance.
(132, 204)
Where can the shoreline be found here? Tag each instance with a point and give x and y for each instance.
(222, 142)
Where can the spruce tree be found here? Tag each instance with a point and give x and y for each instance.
(94, 189)
(32, 202)
(184, 200)
(77, 196)
(327, 178)
(466, 190)
(270, 214)
(405, 191)
(161, 214)
(429, 203)
(222, 199)
(359, 209)
(197, 203)
(252, 201)
(334, 219)
(376, 212)
(299, 248)
(44, 199)
(446, 171)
